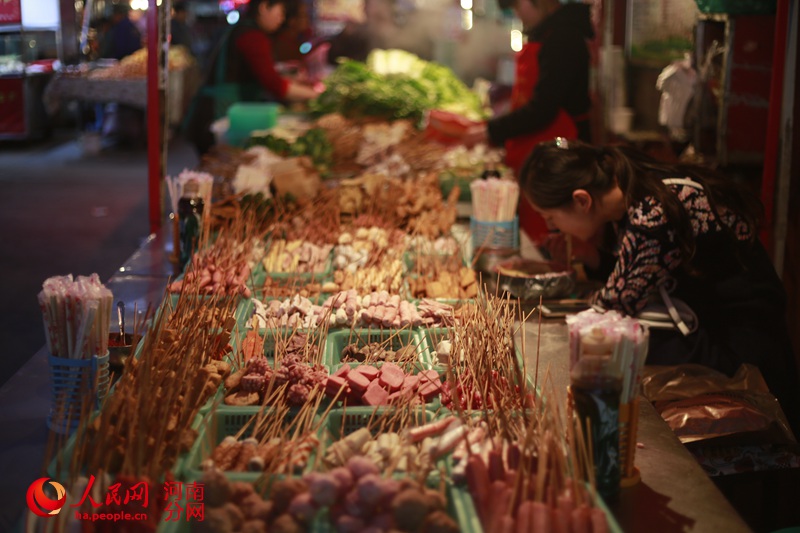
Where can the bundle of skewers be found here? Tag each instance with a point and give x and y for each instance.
(189, 183)
(494, 200)
(628, 338)
(520, 459)
(276, 440)
(226, 266)
(76, 314)
(151, 418)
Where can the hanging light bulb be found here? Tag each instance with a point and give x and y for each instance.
(466, 19)
(516, 40)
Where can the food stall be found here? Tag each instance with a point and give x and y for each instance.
(29, 47)
(125, 82)
(319, 354)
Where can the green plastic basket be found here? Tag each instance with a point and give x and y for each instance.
(344, 421)
(393, 340)
(260, 274)
(341, 422)
(430, 339)
(221, 423)
(467, 515)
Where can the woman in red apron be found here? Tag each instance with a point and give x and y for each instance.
(550, 97)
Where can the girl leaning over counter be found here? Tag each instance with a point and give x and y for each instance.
(684, 227)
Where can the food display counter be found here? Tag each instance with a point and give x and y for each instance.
(327, 345)
(674, 493)
(131, 92)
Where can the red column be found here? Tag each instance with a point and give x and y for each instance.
(153, 119)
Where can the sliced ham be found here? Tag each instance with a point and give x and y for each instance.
(358, 381)
(392, 376)
(371, 372)
(375, 395)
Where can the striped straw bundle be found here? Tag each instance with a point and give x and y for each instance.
(77, 315)
(176, 184)
(630, 339)
(494, 200)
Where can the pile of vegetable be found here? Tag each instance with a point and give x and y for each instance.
(395, 84)
(314, 143)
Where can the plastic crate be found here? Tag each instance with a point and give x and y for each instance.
(221, 423)
(392, 339)
(494, 234)
(274, 335)
(430, 339)
(260, 274)
(468, 521)
(343, 421)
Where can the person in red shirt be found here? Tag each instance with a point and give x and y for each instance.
(243, 70)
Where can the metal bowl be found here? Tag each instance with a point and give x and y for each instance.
(488, 258)
(529, 280)
(119, 349)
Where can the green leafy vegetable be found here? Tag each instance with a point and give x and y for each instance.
(394, 84)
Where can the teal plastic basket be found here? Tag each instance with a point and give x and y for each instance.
(227, 421)
(274, 335)
(468, 521)
(494, 234)
(246, 117)
(73, 382)
(430, 339)
(260, 274)
(343, 421)
(392, 339)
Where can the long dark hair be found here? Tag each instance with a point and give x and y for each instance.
(552, 172)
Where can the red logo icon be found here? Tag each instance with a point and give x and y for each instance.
(40, 503)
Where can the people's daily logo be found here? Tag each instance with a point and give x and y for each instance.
(40, 503)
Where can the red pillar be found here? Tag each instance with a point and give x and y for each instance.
(153, 119)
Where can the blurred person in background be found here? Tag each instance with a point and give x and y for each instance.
(550, 97)
(242, 69)
(122, 38)
(180, 35)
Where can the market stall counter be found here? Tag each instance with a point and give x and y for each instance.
(674, 493)
(124, 83)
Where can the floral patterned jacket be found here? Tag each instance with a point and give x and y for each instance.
(647, 254)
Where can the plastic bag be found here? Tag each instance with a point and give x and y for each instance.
(677, 85)
(699, 404)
